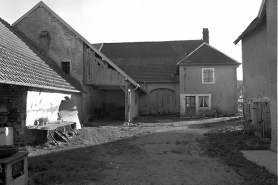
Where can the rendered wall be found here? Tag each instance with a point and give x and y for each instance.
(255, 65)
(271, 8)
(223, 91)
(63, 45)
(43, 105)
(144, 99)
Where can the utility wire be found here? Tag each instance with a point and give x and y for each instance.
(179, 48)
(180, 53)
(178, 43)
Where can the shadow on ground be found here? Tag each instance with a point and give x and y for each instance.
(77, 166)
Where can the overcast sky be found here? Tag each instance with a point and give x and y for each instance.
(150, 20)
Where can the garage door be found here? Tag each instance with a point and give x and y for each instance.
(162, 101)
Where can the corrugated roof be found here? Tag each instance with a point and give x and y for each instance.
(22, 64)
(149, 61)
(206, 54)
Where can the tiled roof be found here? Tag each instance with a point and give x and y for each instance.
(22, 64)
(252, 26)
(206, 54)
(149, 49)
(149, 69)
(149, 61)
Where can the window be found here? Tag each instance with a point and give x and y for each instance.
(190, 101)
(66, 67)
(204, 101)
(208, 75)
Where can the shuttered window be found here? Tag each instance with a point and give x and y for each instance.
(208, 75)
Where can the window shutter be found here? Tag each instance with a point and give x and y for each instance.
(210, 75)
(205, 76)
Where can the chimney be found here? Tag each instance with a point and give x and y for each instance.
(44, 42)
(206, 35)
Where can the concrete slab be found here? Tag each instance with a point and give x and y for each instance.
(265, 158)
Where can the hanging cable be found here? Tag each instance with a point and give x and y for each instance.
(178, 43)
(180, 54)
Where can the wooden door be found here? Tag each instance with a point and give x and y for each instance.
(190, 106)
(162, 102)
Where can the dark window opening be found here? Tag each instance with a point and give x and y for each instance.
(66, 67)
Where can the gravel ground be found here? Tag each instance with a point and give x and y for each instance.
(157, 150)
(169, 154)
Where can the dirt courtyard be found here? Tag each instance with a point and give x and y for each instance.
(169, 154)
(163, 152)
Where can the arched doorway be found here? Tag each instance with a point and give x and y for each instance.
(162, 102)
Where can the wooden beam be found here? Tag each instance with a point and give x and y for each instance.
(126, 101)
(122, 87)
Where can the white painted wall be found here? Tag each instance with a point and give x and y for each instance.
(43, 104)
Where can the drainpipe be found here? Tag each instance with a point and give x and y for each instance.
(129, 97)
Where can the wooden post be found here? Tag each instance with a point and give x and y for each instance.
(126, 100)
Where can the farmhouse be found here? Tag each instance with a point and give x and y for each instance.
(186, 77)
(208, 83)
(98, 75)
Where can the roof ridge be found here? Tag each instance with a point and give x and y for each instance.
(148, 41)
(206, 44)
(222, 53)
(5, 22)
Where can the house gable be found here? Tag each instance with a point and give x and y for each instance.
(71, 35)
(205, 54)
(22, 64)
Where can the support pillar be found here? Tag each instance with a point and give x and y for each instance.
(127, 84)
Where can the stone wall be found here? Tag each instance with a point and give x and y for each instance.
(15, 99)
(63, 45)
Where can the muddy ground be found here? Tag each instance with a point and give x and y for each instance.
(155, 151)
